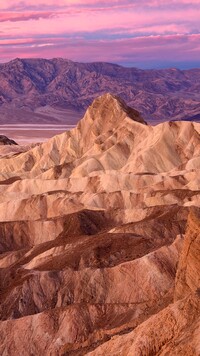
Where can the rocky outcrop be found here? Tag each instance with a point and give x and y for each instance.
(173, 331)
(6, 141)
(176, 329)
(188, 276)
(92, 227)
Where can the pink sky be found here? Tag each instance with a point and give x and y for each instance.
(141, 33)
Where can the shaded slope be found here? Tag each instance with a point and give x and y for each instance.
(92, 227)
(176, 329)
(6, 141)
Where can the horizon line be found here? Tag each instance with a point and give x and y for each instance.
(123, 65)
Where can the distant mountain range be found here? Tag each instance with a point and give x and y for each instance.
(56, 90)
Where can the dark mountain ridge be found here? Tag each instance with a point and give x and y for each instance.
(33, 84)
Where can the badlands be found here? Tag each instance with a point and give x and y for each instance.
(100, 239)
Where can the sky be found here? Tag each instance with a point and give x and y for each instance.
(144, 34)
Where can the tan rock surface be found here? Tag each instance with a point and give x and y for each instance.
(92, 225)
(188, 276)
(173, 331)
(176, 329)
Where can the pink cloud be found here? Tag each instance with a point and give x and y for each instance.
(133, 22)
(117, 30)
(143, 49)
(61, 3)
(16, 5)
(19, 16)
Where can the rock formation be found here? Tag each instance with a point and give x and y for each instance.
(93, 224)
(176, 329)
(6, 141)
(188, 276)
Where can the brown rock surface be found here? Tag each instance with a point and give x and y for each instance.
(173, 331)
(92, 226)
(188, 275)
(176, 329)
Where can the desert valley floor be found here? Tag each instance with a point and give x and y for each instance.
(100, 239)
(25, 134)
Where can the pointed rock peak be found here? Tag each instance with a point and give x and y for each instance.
(103, 116)
(109, 111)
(111, 105)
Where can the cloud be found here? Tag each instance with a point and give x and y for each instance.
(19, 16)
(140, 51)
(57, 4)
(122, 31)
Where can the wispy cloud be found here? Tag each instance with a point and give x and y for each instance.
(26, 16)
(123, 31)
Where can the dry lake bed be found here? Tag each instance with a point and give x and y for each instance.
(26, 133)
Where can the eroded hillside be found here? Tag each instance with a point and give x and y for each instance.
(98, 254)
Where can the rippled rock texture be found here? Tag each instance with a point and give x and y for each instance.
(99, 239)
